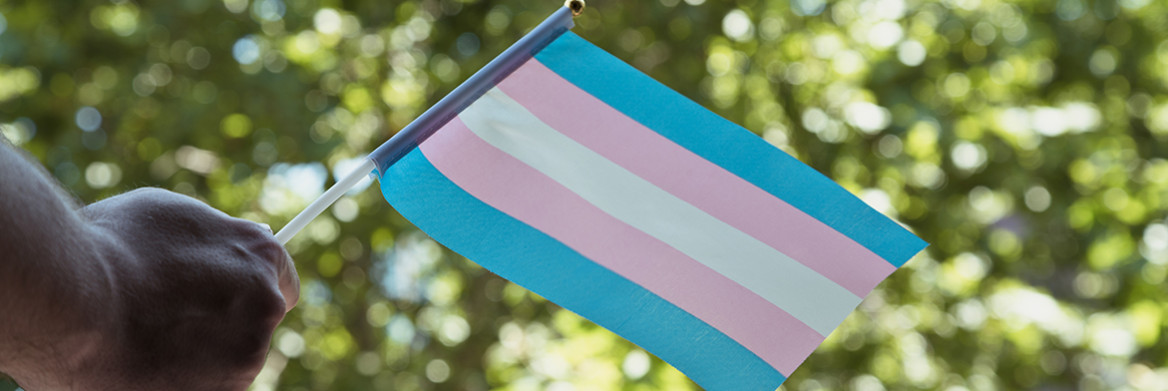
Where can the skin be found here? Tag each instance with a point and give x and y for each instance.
(146, 290)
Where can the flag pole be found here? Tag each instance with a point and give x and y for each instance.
(324, 201)
(441, 113)
(475, 86)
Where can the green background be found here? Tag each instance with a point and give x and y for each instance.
(1025, 140)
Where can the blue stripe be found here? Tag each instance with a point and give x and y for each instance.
(726, 144)
(542, 264)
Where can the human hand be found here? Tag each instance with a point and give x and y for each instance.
(198, 294)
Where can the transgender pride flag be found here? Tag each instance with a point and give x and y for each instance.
(574, 175)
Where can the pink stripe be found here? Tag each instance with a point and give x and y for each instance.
(736, 201)
(531, 197)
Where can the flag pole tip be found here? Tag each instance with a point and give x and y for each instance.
(577, 6)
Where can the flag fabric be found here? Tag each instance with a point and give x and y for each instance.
(582, 179)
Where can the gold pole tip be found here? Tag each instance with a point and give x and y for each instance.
(577, 6)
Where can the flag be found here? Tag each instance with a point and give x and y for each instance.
(578, 177)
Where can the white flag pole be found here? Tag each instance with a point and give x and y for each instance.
(421, 128)
(324, 201)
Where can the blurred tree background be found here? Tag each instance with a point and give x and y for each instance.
(1025, 140)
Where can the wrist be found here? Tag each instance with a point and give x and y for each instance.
(69, 340)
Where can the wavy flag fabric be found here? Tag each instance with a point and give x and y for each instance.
(589, 183)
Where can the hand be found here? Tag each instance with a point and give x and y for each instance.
(198, 294)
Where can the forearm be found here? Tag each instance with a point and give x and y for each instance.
(52, 274)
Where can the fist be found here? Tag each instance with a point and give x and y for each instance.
(198, 293)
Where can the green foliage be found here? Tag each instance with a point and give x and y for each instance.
(1025, 140)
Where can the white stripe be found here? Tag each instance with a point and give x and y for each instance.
(800, 291)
